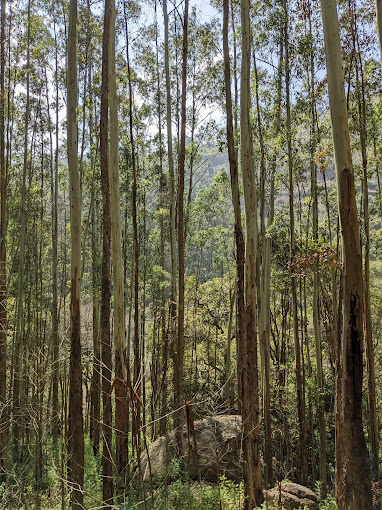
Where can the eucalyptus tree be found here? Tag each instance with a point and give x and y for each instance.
(378, 8)
(358, 48)
(172, 186)
(55, 315)
(162, 393)
(138, 369)
(234, 174)
(106, 350)
(3, 256)
(299, 388)
(353, 489)
(308, 51)
(95, 390)
(264, 262)
(179, 346)
(314, 134)
(75, 425)
(121, 408)
(248, 365)
(19, 347)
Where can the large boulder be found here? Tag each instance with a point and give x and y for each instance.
(292, 495)
(218, 450)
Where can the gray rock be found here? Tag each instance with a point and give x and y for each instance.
(286, 499)
(308, 503)
(300, 491)
(292, 496)
(218, 450)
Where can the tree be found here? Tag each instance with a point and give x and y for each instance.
(264, 292)
(3, 258)
(235, 191)
(75, 425)
(179, 347)
(368, 329)
(136, 438)
(173, 297)
(95, 391)
(297, 347)
(378, 8)
(352, 458)
(19, 338)
(106, 353)
(121, 408)
(313, 141)
(248, 352)
(55, 316)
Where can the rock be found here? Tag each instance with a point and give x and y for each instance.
(300, 491)
(308, 503)
(293, 495)
(287, 500)
(218, 442)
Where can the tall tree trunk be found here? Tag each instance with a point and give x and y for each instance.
(172, 192)
(316, 277)
(161, 389)
(179, 348)
(264, 304)
(106, 353)
(20, 285)
(136, 427)
(227, 369)
(38, 398)
(75, 425)
(354, 489)
(369, 348)
(173, 295)
(250, 391)
(299, 387)
(121, 407)
(95, 391)
(55, 338)
(235, 190)
(3, 259)
(378, 8)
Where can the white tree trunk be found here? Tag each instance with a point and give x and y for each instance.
(250, 404)
(353, 463)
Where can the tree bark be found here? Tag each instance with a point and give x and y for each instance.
(299, 385)
(136, 426)
(55, 337)
(173, 296)
(95, 391)
(3, 259)
(354, 481)
(378, 8)
(19, 354)
(121, 406)
(235, 190)
(316, 276)
(264, 304)
(179, 348)
(250, 391)
(369, 347)
(161, 389)
(75, 425)
(106, 353)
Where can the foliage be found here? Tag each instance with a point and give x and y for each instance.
(194, 496)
